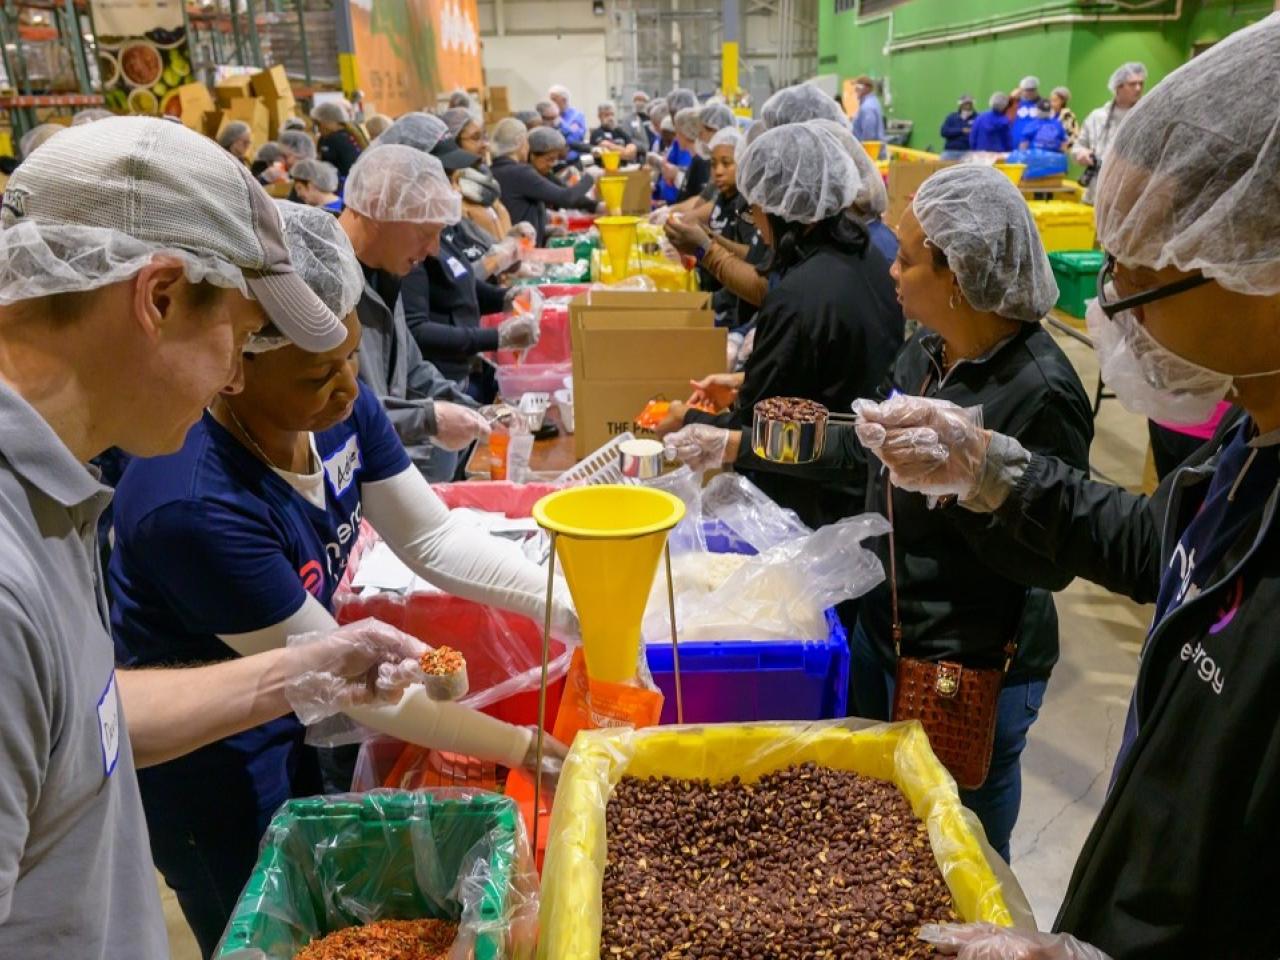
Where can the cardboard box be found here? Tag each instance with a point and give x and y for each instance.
(233, 88)
(629, 348)
(637, 199)
(905, 177)
(272, 84)
(196, 102)
(277, 112)
(499, 100)
(253, 111)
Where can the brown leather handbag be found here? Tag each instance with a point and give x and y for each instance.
(955, 704)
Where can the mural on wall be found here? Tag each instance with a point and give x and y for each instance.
(142, 54)
(408, 51)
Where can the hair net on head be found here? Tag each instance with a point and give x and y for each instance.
(999, 102)
(460, 98)
(298, 143)
(1062, 92)
(321, 175)
(657, 110)
(330, 112)
(422, 131)
(872, 199)
(640, 95)
(508, 137)
(800, 172)
(232, 132)
(293, 123)
(1029, 83)
(681, 98)
(607, 106)
(558, 90)
(797, 104)
(37, 135)
(90, 115)
(726, 137)
(544, 107)
(322, 256)
(546, 140)
(268, 153)
(528, 117)
(394, 182)
(455, 118)
(1190, 179)
(717, 116)
(978, 219)
(377, 125)
(1130, 71)
(687, 123)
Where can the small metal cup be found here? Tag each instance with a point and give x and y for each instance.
(641, 459)
(785, 441)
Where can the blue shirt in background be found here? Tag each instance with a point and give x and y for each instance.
(679, 157)
(573, 124)
(1048, 134)
(1025, 121)
(991, 133)
(868, 124)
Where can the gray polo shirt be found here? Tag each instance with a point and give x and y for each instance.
(76, 879)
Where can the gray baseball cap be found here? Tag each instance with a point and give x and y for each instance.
(95, 203)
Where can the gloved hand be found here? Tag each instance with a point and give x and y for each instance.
(686, 235)
(930, 446)
(553, 754)
(699, 445)
(457, 427)
(519, 332)
(504, 255)
(523, 231)
(986, 941)
(362, 663)
(522, 300)
(660, 216)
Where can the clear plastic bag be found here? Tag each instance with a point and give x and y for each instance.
(331, 862)
(688, 534)
(981, 884)
(734, 507)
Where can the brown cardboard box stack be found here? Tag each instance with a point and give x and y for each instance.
(262, 100)
(632, 347)
(252, 111)
(905, 178)
(272, 86)
(497, 105)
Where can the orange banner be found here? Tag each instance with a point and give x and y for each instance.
(408, 51)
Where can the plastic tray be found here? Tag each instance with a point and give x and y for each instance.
(382, 840)
(1077, 274)
(899, 753)
(1063, 224)
(601, 466)
(515, 380)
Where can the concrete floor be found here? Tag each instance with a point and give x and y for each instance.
(1072, 746)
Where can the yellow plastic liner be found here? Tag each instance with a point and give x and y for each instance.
(982, 886)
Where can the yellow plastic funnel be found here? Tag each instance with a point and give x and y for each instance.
(610, 160)
(873, 148)
(612, 190)
(609, 541)
(1013, 171)
(618, 234)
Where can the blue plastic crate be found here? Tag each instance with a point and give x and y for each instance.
(742, 680)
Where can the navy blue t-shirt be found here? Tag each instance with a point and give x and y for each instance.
(211, 541)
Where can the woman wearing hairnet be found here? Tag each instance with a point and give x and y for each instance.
(824, 332)
(1184, 859)
(341, 141)
(238, 542)
(523, 167)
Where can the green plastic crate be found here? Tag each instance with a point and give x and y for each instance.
(1077, 274)
(330, 862)
(582, 244)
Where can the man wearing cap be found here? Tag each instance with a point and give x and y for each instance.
(868, 122)
(1026, 118)
(398, 201)
(956, 129)
(137, 259)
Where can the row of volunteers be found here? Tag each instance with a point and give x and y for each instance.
(154, 300)
(992, 513)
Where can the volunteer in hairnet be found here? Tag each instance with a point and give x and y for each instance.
(1099, 129)
(824, 332)
(238, 541)
(397, 203)
(1184, 859)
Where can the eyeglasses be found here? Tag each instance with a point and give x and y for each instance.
(1106, 279)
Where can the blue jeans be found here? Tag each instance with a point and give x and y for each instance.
(998, 800)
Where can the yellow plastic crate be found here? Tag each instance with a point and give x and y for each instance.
(981, 885)
(1063, 224)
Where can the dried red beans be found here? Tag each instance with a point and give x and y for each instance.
(791, 410)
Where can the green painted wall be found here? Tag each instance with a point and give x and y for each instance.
(923, 81)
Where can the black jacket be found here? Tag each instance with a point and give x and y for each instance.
(526, 194)
(340, 148)
(728, 220)
(828, 331)
(443, 302)
(1184, 859)
(964, 588)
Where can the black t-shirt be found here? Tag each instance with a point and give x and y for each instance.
(340, 148)
(696, 178)
(614, 135)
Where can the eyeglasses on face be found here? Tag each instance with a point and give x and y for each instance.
(1106, 280)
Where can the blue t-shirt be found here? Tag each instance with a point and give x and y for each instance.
(1024, 121)
(210, 541)
(1048, 134)
(991, 133)
(679, 157)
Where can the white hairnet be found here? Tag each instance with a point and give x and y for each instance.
(460, 98)
(546, 140)
(298, 143)
(321, 175)
(455, 118)
(394, 182)
(978, 219)
(801, 173)
(657, 110)
(607, 106)
(1063, 92)
(1190, 179)
(726, 137)
(558, 90)
(872, 199)
(377, 124)
(687, 123)
(232, 132)
(999, 102)
(1029, 83)
(90, 115)
(798, 104)
(717, 116)
(1130, 71)
(37, 135)
(422, 131)
(681, 98)
(322, 256)
(508, 137)
(293, 123)
(329, 112)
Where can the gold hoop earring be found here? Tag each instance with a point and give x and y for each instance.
(952, 301)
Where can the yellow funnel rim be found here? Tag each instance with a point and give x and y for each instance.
(617, 221)
(610, 160)
(873, 148)
(669, 510)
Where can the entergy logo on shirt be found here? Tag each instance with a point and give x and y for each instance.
(341, 466)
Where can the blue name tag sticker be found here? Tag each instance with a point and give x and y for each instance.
(341, 466)
(109, 726)
(456, 266)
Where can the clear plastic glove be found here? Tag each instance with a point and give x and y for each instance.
(457, 427)
(699, 445)
(930, 446)
(366, 662)
(686, 235)
(659, 217)
(519, 332)
(504, 255)
(986, 941)
(523, 231)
